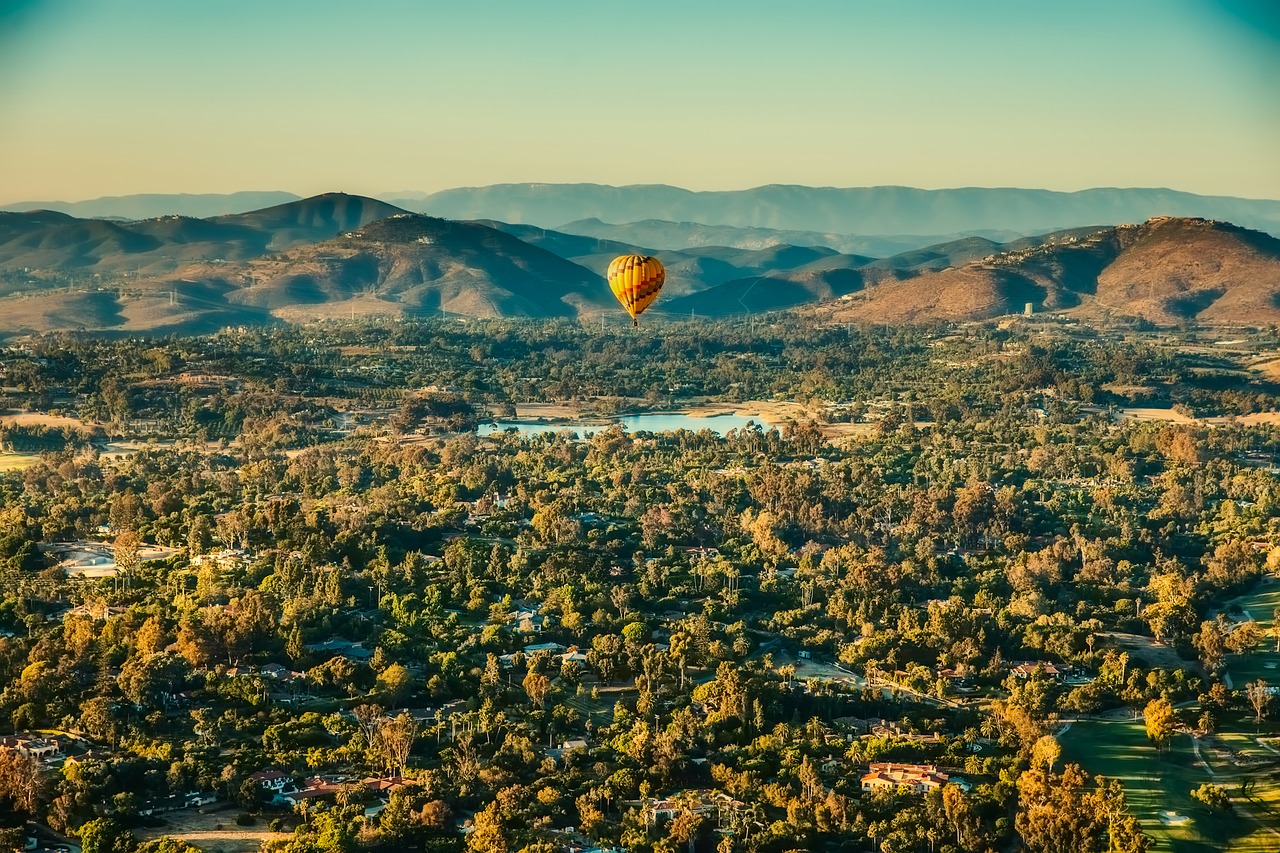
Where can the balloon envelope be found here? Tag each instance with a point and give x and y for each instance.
(635, 281)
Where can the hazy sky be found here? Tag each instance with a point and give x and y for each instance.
(102, 97)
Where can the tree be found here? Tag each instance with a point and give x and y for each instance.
(396, 737)
(957, 809)
(1059, 814)
(1259, 695)
(396, 682)
(368, 721)
(23, 782)
(685, 827)
(1213, 796)
(127, 550)
(1045, 753)
(106, 835)
(1160, 722)
(538, 686)
(489, 834)
(1245, 638)
(145, 680)
(98, 718)
(1211, 644)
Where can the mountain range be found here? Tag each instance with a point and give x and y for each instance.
(671, 217)
(852, 211)
(338, 255)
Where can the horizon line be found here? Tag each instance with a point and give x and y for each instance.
(385, 195)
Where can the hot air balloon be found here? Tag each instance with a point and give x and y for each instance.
(635, 281)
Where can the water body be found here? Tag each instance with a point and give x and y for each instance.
(720, 424)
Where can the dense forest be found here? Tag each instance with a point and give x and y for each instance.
(353, 624)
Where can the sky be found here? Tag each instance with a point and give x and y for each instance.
(112, 97)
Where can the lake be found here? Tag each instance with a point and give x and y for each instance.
(664, 422)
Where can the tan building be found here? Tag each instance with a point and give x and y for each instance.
(913, 777)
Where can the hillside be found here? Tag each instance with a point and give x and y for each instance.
(340, 255)
(312, 219)
(414, 264)
(1167, 270)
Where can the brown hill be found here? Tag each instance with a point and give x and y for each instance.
(1166, 270)
(310, 220)
(419, 264)
(1172, 270)
(47, 240)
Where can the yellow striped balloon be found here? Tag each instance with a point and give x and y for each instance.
(635, 281)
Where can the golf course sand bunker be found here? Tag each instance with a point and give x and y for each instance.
(1169, 818)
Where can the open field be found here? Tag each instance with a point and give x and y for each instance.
(1153, 413)
(43, 419)
(360, 306)
(215, 832)
(1158, 787)
(17, 461)
(1260, 605)
(1147, 650)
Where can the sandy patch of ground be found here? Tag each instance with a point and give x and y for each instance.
(1269, 368)
(773, 412)
(44, 419)
(548, 411)
(361, 306)
(1152, 413)
(202, 830)
(1153, 653)
(1156, 413)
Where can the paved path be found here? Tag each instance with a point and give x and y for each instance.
(1195, 747)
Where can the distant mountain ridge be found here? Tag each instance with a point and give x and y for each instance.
(149, 205)
(842, 214)
(887, 210)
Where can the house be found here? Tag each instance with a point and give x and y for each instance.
(228, 558)
(558, 753)
(700, 802)
(554, 648)
(42, 749)
(272, 781)
(917, 778)
(355, 652)
(98, 612)
(528, 621)
(1026, 669)
(317, 787)
(276, 671)
(384, 785)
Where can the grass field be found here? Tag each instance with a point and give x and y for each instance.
(601, 710)
(1159, 787)
(1260, 605)
(17, 461)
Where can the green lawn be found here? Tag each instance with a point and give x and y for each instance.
(599, 710)
(1259, 603)
(1264, 662)
(1157, 784)
(17, 461)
